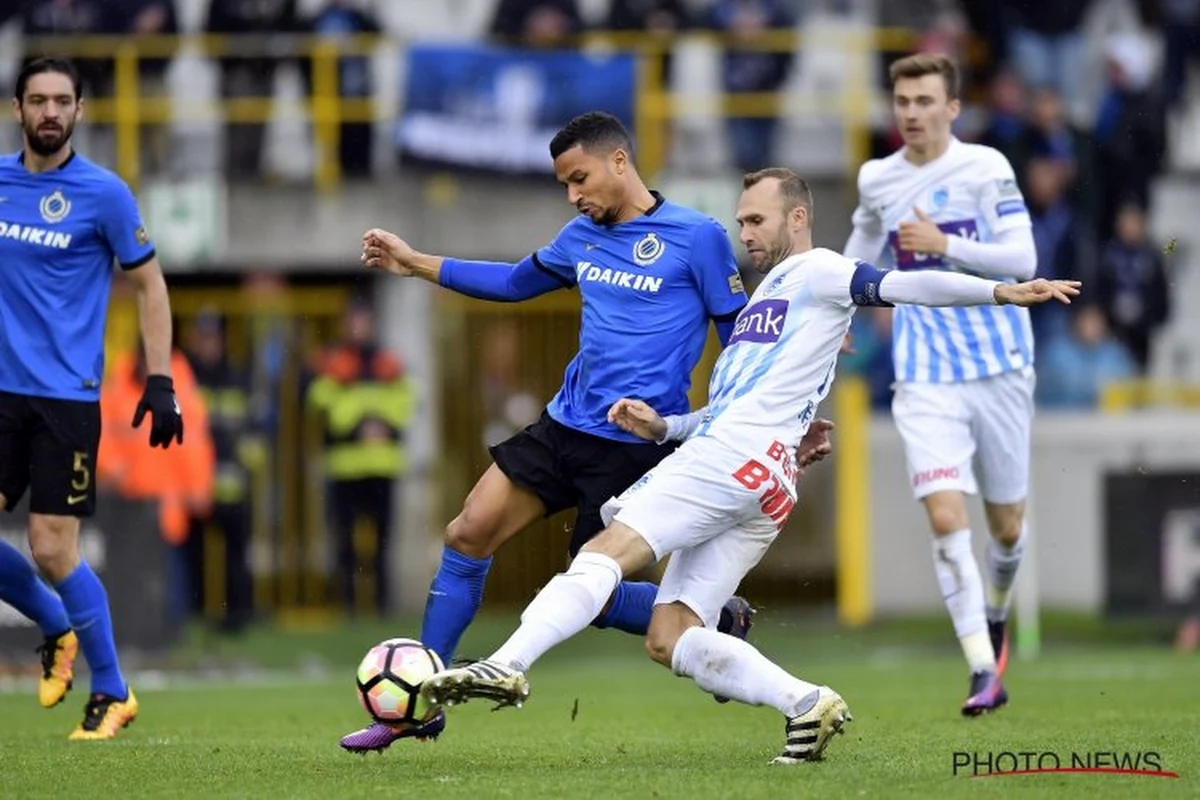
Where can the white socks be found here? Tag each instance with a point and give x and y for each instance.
(564, 607)
(962, 589)
(1002, 564)
(727, 666)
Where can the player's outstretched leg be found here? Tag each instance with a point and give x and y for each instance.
(21, 588)
(563, 608)
(733, 668)
(506, 686)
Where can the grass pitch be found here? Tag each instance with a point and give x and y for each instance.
(605, 722)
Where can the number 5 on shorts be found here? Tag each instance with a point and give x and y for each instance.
(81, 479)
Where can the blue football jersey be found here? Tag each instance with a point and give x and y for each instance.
(60, 233)
(649, 288)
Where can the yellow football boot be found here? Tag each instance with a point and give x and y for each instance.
(104, 716)
(58, 668)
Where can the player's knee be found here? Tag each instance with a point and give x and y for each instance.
(667, 625)
(472, 535)
(54, 547)
(947, 513)
(1009, 534)
(1006, 523)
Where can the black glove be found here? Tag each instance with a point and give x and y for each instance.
(159, 399)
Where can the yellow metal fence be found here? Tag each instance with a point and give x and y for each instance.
(656, 104)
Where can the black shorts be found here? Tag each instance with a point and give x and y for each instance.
(49, 447)
(567, 468)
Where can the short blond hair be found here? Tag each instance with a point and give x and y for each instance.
(922, 64)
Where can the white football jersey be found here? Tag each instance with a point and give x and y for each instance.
(779, 363)
(969, 191)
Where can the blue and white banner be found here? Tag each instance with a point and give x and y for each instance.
(496, 109)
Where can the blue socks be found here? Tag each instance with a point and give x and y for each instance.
(630, 609)
(21, 588)
(454, 598)
(87, 607)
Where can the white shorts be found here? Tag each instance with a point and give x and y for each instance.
(714, 511)
(948, 427)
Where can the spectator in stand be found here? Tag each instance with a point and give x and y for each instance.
(1179, 21)
(1045, 44)
(71, 18)
(144, 19)
(1130, 130)
(661, 18)
(750, 67)
(1132, 285)
(1007, 125)
(537, 23)
(1074, 369)
(1050, 135)
(246, 76)
(1063, 241)
(341, 19)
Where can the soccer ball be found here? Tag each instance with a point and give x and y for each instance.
(389, 682)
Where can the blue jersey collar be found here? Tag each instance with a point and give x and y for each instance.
(63, 165)
(658, 202)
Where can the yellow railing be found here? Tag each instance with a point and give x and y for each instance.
(1123, 396)
(656, 105)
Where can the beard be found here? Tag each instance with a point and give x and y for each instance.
(48, 141)
(777, 251)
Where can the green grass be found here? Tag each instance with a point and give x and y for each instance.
(638, 731)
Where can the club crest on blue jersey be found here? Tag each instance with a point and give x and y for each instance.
(648, 249)
(55, 207)
(762, 322)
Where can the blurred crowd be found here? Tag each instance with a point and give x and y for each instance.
(1086, 162)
